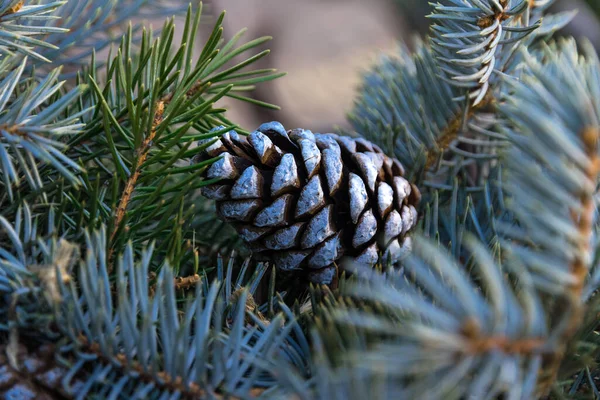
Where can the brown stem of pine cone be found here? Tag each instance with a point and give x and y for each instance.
(579, 268)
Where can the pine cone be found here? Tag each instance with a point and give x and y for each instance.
(311, 201)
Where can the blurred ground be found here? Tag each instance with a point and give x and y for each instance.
(324, 45)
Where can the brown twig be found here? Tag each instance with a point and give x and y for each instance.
(186, 282)
(35, 363)
(199, 85)
(251, 306)
(173, 384)
(14, 9)
(142, 154)
(452, 131)
(449, 135)
(141, 157)
(488, 21)
(479, 343)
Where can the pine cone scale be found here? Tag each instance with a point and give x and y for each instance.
(312, 201)
(312, 198)
(285, 177)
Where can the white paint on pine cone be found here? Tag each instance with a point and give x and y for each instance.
(332, 161)
(214, 149)
(239, 210)
(311, 198)
(284, 238)
(402, 189)
(385, 198)
(365, 230)
(392, 253)
(252, 233)
(347, 143)
(285, 175)
(299, 134)
(327, 141)
(223, 168)
(364, 145)
(323, 275)
(407, 219)
(377, 159)
(405, 248)
(249, 185)
(276, 127)
(326, 253)
(215, 192)
(262, 145)
(311, 156)
(414, 215)
(369, 256)
(393, 226)
(275, 214)
(367, 168)
(319, 228)
(358, 197)
(290, 260)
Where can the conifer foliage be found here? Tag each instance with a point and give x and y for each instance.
(111, 285)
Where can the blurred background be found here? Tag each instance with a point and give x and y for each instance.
(324, 45)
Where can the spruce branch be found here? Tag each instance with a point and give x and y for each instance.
(165, 347)
(90, 24)
(566, 131)
(501, 127)
(142, 154)
(414, 105)
(468, 40)
(20, 22)
(408, 109)
(31, 129)
(201, 348)
(449, 322)
(479, 343)
(155, 103)
(438, 328)
(407, 125)
(451, 147)
(144, 150)
(584, 219)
